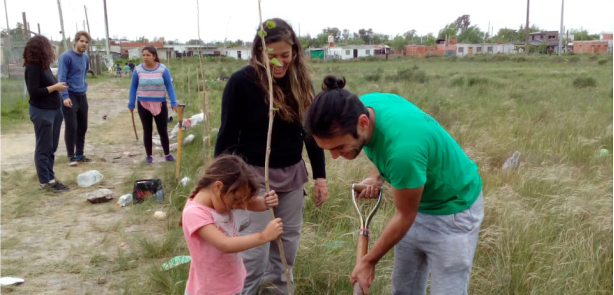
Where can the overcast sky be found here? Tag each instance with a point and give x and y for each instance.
(238, 19)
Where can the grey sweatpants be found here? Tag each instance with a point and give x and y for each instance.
(442, 245)
(263, 263)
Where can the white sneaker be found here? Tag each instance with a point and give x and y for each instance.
(73, 162)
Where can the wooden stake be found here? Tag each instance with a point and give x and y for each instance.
(267, 65)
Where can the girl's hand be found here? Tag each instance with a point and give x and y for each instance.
(273, 230)
(321, 191)
(270, 199)
(174, 109)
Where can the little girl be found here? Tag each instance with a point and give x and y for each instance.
(209, 229)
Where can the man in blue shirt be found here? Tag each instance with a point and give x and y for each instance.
(73, 66)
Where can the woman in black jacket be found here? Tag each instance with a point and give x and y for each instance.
(245, 107)
(45, 109)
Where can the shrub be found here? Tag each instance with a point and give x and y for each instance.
(459, 81)
(473, 81)
(520, 59)
(583, 82)
(602, 62)
(574, 59)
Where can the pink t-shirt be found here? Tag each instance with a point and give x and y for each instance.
(211, 270)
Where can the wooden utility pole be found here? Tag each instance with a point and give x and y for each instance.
(62, 26)
(39, 28)
(8, 30)
(526, 44)
(562, 30)
(87, 20)
(106, 25)
(25, 27)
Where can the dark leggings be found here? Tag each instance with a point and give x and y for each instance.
(161, 120)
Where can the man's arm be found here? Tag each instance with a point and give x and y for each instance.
(406, 202)
(63, 65)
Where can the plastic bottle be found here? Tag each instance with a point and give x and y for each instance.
(89, 178)
(124, 200)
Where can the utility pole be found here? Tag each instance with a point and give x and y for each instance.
(562, 32)
(526, 44)
(6, 13)
(39, 28)
(62, 26)
(25, 27)
(87, 20)
(106, 25)
(8, 30)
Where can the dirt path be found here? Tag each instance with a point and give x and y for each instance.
(61, 244)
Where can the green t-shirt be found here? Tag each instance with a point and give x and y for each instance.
(410, 149)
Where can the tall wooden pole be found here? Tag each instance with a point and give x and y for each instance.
(62, 26)
(87, 20)
(106, 26)
(25, 27)
(8, 29)
(526, 44)
(561, 32)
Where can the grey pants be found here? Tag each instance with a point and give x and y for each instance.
(263, 263)
(47, 125)
(442, 245)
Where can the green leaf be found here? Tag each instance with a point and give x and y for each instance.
(262, 33)
(270, 24)
(275, 62)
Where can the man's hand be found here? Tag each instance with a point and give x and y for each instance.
(174, 109)
(373, 188)
(364, 274)
(68, 102)
(321, 191)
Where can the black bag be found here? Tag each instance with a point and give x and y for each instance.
(145, 188)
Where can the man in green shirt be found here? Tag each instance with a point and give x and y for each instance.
(436, 187)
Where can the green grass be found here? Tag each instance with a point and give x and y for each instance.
(14, 106)
(547, 226)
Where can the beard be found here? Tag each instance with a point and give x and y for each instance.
(355, 151)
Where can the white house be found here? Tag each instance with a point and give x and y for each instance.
(353, 51)
(244, 53)
(484, 48)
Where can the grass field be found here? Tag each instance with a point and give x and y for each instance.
(547, 226)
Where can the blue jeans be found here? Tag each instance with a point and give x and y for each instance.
(442, 245)
(47, 125)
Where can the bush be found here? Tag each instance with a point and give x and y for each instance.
(520, 59)
(410, 75)
(500, 58)
(459, 81)
(473, 81)
(593, 57)
(574, 59)
(583, 82)
(602, 62)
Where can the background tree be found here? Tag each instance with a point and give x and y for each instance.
(505, 36)
(345, 35)
(521, 36)
(583, 35)
(334, 32)
(462, 22)
(449, 31)
(365, 35)
(398, 44)
(471, 35)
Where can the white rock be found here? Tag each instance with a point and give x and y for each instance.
(160, 215)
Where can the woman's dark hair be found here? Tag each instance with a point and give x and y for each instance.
(301, 92)
(153, 51)
(38, 50)
(232, 171)
(334, 111)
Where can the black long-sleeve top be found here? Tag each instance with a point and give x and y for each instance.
(37, 81)
(245, 122)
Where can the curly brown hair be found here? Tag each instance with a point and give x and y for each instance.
(39, 50)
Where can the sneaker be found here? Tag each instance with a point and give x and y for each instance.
(49, 187)
(82, 159)
(149, 159)
(72, 161)
(169, 158)
(57, 185)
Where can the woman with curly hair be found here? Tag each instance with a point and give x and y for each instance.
(45, 109)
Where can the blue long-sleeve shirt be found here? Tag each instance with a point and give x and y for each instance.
(151, 85)
(72, 69)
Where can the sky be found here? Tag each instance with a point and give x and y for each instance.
(238, 19)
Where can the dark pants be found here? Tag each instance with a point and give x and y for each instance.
(146, 120)
(47, 125)
(75, 119)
